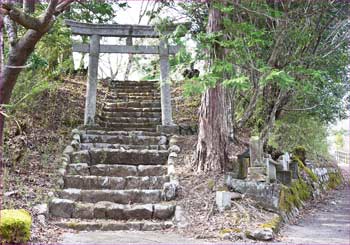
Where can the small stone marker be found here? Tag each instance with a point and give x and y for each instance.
(271, 171)
(293, 166)
(284, 177)
(223, 200)
(256, 152)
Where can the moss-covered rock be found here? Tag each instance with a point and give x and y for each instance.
(300, 153)
(15, 226)
(273, 224)
(295, 195)
(307, 170)
(335, 179)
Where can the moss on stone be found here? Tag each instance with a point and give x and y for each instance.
(300, 153)
(211, 184)
(273, 224)
(230, 230)
(307, 170)
(335, 179)
(294, 196)
(15, 226)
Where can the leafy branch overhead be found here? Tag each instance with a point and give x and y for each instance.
(40, 24)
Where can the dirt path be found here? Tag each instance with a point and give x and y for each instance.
(328, 222)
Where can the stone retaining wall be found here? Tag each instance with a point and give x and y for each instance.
(288, 200)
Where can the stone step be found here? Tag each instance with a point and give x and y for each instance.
(108, 210)
(116, 196)
(103, 132)
(116, 170)
(132, 97)
(128, 127)
(134, 120)
(117, 156)
(131, 114)
(114, 94)
(134, 83)
(113, 225)
(131, 109)
(134, 90)
(88, 146)
(124, 139)
(132, 104)
(114, 183)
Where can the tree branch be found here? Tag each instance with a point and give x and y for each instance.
(21, 18)
(11, 30)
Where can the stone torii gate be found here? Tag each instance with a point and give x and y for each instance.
(94, 48)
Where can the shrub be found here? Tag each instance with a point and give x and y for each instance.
(15, 226)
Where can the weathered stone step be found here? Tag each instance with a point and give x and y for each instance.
(133, 104)
(113, 225)
(115, 93)
(124, 139)
(114, 183)
(116, 196)
(131, 109)
(134, 83)
(133, 96)
(103, 131)
(116, 156)
(131, 114)
(130, 126)
(88, 146)
(116, 170)
(108, 210)
(132, 90)
(144, 120)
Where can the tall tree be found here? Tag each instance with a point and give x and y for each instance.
(21, 48)
(213, 136)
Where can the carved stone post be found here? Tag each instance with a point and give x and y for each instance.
(165, 89)
(90, 102)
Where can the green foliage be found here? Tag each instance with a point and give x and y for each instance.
(300, 153)
(92, 11)
(15, 226)
(272, 49)
(295, 195)
(339, 140)
(334, 181)
(296, 129)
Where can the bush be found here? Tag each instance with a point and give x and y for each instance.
(15, 226)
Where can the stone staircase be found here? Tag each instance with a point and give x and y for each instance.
(115, 177)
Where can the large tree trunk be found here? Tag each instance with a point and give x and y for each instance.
(213, 136)
(17, 58)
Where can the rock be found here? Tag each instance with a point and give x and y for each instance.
(41, 209)
(265, 234)
(162, 141)
(236, 196)
(42, 220)
(76, 137)
(223, 200)
(61, 208)
(173, 140)
(180, 218)
(10, 193)
(173, 154)
(169, 191)
(68, 150)
(174, 148)
(163, 211)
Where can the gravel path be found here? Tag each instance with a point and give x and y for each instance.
(328, 222)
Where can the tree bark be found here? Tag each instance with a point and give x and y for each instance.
(213, 136)
(29, 6)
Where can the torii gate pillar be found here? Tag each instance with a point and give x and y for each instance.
(165, 89)
(91, 89)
